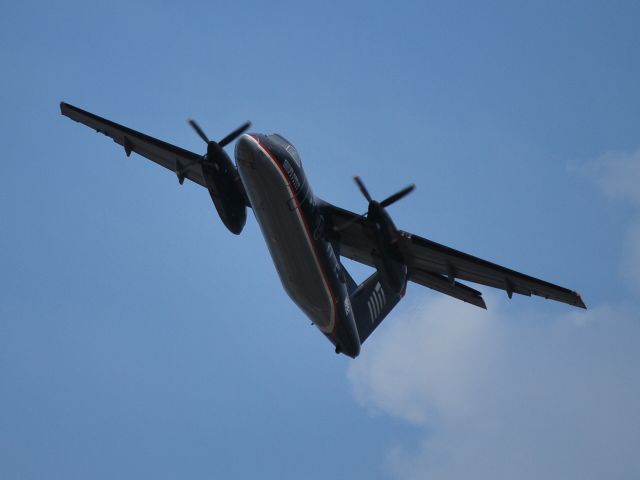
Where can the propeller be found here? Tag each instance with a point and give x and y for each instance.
(374, 205)
(363, 189)
(226, 140)
(398, 195)
(387, 201)
(198, 130)
(235, 134)
(215, 150)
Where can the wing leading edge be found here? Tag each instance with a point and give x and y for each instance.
(439, 267)
(184, 163)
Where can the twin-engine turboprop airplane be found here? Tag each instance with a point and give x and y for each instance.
(307, 236)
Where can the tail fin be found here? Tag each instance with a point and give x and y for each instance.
(371, 302)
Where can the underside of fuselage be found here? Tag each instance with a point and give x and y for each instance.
(286, 212)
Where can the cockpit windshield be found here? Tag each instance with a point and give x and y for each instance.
(287, 146)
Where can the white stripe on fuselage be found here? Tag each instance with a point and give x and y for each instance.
(307, 234)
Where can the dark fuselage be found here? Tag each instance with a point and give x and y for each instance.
(290, 218)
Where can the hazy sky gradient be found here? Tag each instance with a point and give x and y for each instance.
(138, 338)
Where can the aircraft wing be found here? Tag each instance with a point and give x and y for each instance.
(183, 162)
(439, 267)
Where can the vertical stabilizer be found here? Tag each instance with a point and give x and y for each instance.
(372, 301)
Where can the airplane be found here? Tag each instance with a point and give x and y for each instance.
(307, 236)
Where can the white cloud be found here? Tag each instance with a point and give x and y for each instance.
(499, 395)
(448, 354)
(617, 174)
(631, 262)
(507, 394)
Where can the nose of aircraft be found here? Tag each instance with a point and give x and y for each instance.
(246, 149)
(253, 148)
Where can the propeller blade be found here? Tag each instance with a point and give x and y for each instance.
(198, 130)
(363, 189)
(397, 196)
(235, 134)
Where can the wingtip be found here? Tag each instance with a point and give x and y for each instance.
(579, 302)
(478, 302)
(65, 108)
(481, 303)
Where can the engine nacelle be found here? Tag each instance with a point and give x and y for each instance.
(392, 265)
(225, 188)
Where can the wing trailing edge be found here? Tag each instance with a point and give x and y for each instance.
(442, 284)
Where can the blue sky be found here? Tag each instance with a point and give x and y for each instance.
(138, 338)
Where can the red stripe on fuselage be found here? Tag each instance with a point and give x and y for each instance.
(307, 231)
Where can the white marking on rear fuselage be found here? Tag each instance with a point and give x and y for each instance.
(372, 314)
(376, 302)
